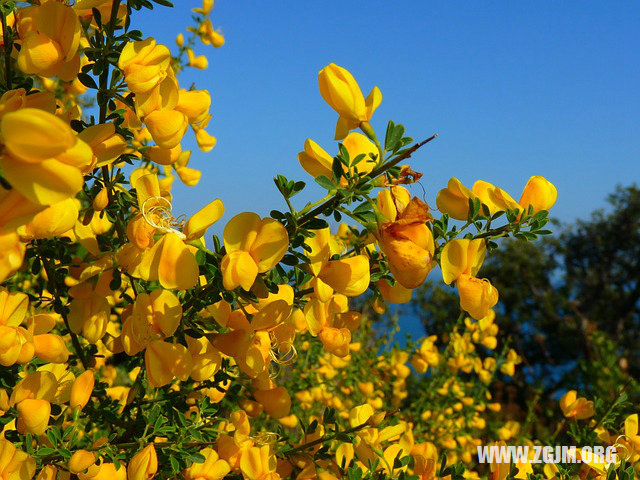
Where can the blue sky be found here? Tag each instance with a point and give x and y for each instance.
(514, 89)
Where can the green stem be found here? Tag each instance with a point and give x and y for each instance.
(103, 86)
(8, 46)
(53, 287)
(375, 173)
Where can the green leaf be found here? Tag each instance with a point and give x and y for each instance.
(324, 182)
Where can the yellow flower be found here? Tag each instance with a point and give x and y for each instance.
(145, 64)
(154, 316)
(33, 416)
(209, 36)
(477, 296)
(81, 390)
(200, 62)
(166, 361)
(539, 193)
(454, 200)
(16, 464)
(194, 104)
(396, 294)
(576, 407)
(253, 246)
(50, 348)
(43, 159)
(408, 244)
(276, 401)
(317, 162)
(81, 460)
(360, 415)
(52, 221)
(207, 5)
(16, 99)
(206, 358)
(341, 91)
(106, 144)
(50, 45)
(462, 256)
(167, 127)
(335, 340)
(16, 346)
(460, 261)
(213, 468)
(258, 463)
(89, 317)
(144, 464)
(104, 471)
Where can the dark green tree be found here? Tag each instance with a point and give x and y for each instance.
(570, 304)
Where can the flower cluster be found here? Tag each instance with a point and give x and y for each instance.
(135, 345)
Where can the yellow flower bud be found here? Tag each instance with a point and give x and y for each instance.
(50, 348)
(144, 464)
(52, 221)
(205, 140)
(340, 90)
(49, 47)
(315, 160)
(163, 156)
(194, 104)
(104, 471)
(44, 159)
(189, 176)
(396, 294)
(101, 200)
(166, 361)
(212, 468)
(106, 144)
(145, 64)
(540, 193)
(89, 317)
(167, 127)
(200, 62)
(335, 340)
(81, 390)
(477, 296)
(15, 464)
(33, 416)
(180, 40)
(276, 401)
(81, 460)
(200, 221)
(454, 200)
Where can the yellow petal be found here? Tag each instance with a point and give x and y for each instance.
(177, 267)
(44, 183)
(198, 224)
(539, 193)
(241, 232)
(35, 135)
(349, 276)
(239, 269)
(270, 245)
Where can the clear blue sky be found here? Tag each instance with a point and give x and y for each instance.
(514, 89)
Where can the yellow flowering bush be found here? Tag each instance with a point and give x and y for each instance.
(134, 345)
